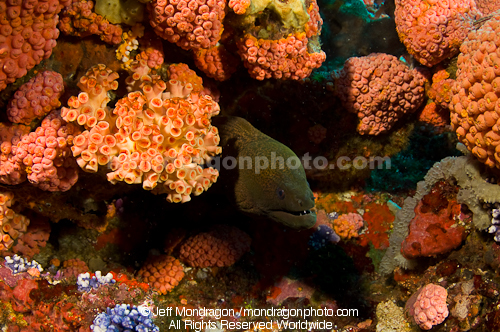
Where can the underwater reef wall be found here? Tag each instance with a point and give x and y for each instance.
(474, 191)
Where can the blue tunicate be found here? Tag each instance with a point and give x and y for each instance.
(86, 283)
(19, 265)
(123, 318)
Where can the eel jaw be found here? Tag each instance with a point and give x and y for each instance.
(294, 219)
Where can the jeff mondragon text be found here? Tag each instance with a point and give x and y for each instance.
(243, 312)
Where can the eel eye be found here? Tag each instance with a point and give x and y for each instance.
(281, 193)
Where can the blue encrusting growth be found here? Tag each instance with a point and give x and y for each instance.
(124, 318)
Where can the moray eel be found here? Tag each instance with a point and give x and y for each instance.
(276, 191)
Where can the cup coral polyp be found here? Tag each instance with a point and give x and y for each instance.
(279, 39)
(43, 156)
(487, 7)
(12, 224)
(216, 62)
(475, 104)
(162, 272)
(239, 6)
(440, 91)
(380, 89)
(159, 133)
(189, 24)
(11, 168)
(78, 19)
(73, 267)
(433, 30)
(46, 154)
(285, 58)
(428, 306)
(28, 34)
(29, 243)
(222, 246)
(36, 98)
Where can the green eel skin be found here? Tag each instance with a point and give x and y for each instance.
(280, 192)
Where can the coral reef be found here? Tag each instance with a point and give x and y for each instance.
(97, 141)
(216, 62)
(163, 273)
(476, 93)
(124, 317)
(391, 318)
(42, 156)
(13, 224)
(440, 91)
(289, 288)
(434, 230)
(198, 25)
(380, 89)
(35, 99)
(487, 7)
(11, 171)
(129, 12)
(273, 39)
(85, 282)
(428, 306)
(434, 115)
(78, 19)
(222, 246)
(175, 126)
(18, 264)
(56, 170)
(72, 268)
(433, 32)
(285, 58)
(473, 191)
(33, 240)
(37, 21)
(348, 225)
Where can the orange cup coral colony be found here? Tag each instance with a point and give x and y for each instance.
(433, 30)
(222, 246)
(475, 105)
(12, 224)
(159, 133)
(380, 89)
(162, 272)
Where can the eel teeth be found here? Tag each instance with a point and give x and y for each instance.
(300, 213)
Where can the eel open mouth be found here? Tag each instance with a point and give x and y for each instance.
(298, 213)
(294, 219)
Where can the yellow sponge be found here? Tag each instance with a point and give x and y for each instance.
(120, 11)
